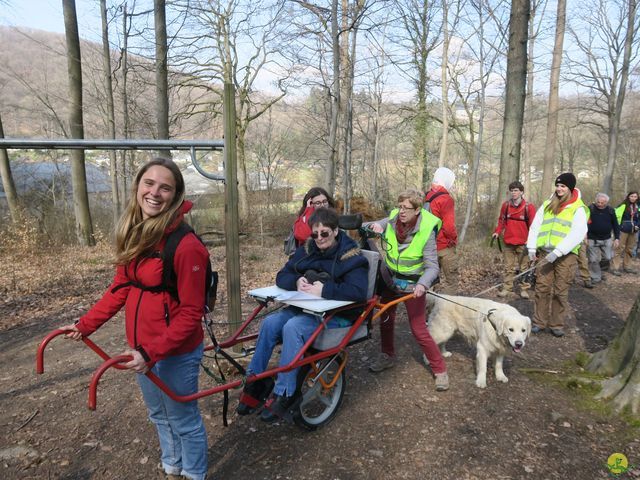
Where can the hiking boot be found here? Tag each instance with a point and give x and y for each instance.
(631, 271)
(503, 293)
(442, 382)
(381, 363)
(536, 329)
(557, 332)
(254, 395)
(616, 273)
(524, 294)
(588, 284)
(277, 407)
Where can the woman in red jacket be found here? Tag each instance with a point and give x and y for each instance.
(317, 197)
(164, 333)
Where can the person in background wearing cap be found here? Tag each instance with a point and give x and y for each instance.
(515, 219)
(555, 236)
(439, 201)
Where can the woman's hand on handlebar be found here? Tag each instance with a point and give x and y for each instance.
(375, 227)
(73, 332)
(138, 364)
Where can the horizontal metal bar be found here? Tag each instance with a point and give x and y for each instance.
(116, 144)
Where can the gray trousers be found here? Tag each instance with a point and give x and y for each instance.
(597, 250)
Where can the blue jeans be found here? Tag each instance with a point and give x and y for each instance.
(293, 328)
(183, 439)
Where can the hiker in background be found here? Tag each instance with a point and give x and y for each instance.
(516, 215)
(164, 334)
(331, 266)
(583, 263)
(602, 222)
(627, 215)
(554, 238)
(411, 261)
(316, 197)
(439, 202)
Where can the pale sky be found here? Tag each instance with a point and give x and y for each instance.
(47, 15)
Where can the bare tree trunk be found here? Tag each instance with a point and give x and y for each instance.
(84, 228)
(529, 107)
(330, 172)
(162, 88)
(552, 113)
(621, 361)
(348, 140)
(243, 189)
(515, 95)
(111, 122)
(124, 64)
(8, 183)
(445, 86)
(624, 77)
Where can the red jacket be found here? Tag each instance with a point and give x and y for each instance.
(301, 228)
(514, 223)
(443, 207)
(156, 324)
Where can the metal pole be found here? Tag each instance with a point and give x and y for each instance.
(231, 218)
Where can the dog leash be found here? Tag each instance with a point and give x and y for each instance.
(487, 316)
(521, 274)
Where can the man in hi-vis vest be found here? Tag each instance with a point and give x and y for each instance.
(555, 236)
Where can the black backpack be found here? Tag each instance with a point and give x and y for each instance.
(427, 201)
(169, 277)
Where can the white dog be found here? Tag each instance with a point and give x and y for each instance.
(493, 327)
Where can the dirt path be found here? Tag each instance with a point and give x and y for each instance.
(391, 425)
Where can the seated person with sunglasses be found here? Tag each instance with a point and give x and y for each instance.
(329, 265)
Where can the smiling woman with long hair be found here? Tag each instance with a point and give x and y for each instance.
(163, 326)
(555, 237)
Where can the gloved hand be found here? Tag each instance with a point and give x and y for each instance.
(495, 235)
(532, 255)
(551, 257)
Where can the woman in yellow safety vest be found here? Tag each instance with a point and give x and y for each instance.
(411, 258)
(629, 221)
(555, 237)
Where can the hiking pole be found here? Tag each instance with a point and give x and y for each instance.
(530, 269)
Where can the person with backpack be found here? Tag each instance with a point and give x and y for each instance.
(516, 215)
(329, 265)
(163, 323)
(440, 203)
(629, 220)
(602, 222)
(555, 236)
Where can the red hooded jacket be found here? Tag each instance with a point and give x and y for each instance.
(443, 207)
(156, 324)
(515, 223)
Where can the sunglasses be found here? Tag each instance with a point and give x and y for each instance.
(324, 234)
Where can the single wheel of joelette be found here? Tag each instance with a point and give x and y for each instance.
(322, 392)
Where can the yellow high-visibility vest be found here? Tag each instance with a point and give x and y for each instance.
(555, 228)
(410, 261)
(619, 212)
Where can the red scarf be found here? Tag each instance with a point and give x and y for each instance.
(403, 230)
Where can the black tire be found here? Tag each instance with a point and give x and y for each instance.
(317, 407)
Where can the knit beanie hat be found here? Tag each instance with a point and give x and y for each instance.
(568, 179)
(444, 177)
